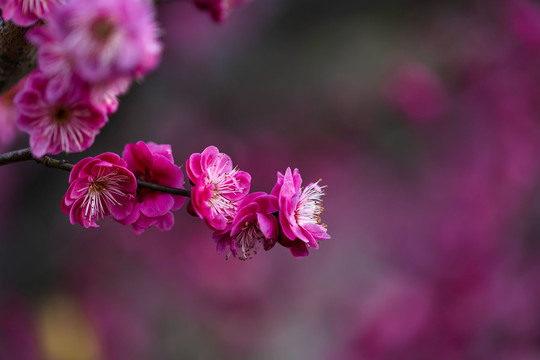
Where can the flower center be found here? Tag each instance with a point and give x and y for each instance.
(61, 114)
(246, 240)
(101, 193)
(309, 209)
(102, 29)
(224, 183)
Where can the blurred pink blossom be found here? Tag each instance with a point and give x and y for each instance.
(67, 123)
(27, 12)
(102, 39)
(219, 9)
(418, 93)
(9, 114)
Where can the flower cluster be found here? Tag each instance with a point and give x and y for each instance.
(107, 185)
(88, 53)
(242, 222)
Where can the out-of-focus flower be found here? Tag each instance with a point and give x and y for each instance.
(394, 318)
(8, 114)
(299, 212)
(105, 94)
(418, 93)
(253, 224)
(56, 63)
(153, 163)
(65, 331)
(17, 328)
(217, 187)
(26, 12)
(102, 39)
(219, 9)
(99, 186)
(524, 20)
(68, 123)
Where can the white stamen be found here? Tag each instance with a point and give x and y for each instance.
(102, 193)
(224, 183)
(309, 209)
(246, 241)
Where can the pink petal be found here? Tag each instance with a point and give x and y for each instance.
(156, 204)
(165, 222)
(299, 249)
(193, 167)
(138, 157)
(318, 231)
(268, 225)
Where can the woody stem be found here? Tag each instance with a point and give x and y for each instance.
(26, 154)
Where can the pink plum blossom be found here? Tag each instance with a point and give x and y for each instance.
(68, 123)
(299, 212)
(253, 224)
(219, 9)
(153, 163)
(99, 186)
(217, 187)
(26, 12)
(101, 39)
(60, 67)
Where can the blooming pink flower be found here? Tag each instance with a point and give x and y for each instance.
(102, 39)
(219, 9)
(217, 187)
(253, 224)
(99, 186)
(153, 163)
(26, 12)
(299, 212)
(68, 123)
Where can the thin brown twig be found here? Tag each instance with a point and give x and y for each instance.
(26, 155)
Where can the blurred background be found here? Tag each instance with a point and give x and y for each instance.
(421, 117)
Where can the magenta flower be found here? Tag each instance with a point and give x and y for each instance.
(68, 123)
(219, 9)
(99, 186)
(253, 224)
(299, 213)
(101, 39)
(217, 187)
(26, 12)
(155, 164)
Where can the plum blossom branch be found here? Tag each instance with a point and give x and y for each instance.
(26, 155)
